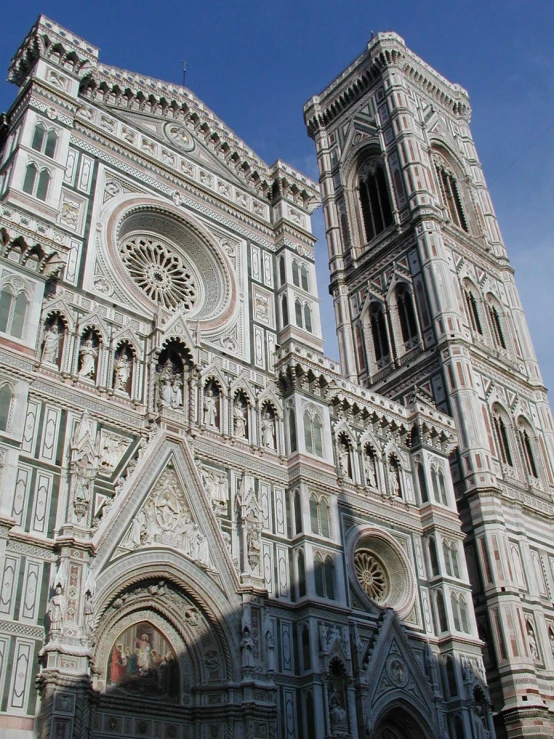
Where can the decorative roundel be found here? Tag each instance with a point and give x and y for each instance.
(179, 136)
(159, 272)
(380, 570)
(371, 575)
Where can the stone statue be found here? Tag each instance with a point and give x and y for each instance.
(52, 341)
(166, 383)
(532, 640)
(270, 646)
(344, 459)
(88, 354)
(239, 417)
(337, 714)
(395, 483)
(176, 392)
(88, 612)
(481, 723)
(268, 430)
(210, 408)
(369, 465)
(247, 649)
(122, 372)
(56, 610)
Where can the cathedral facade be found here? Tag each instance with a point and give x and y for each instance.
(208, 528)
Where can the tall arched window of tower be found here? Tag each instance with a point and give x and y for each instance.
(375, 201)
(502, 438)
(495, 321)
(472, 308)
(379, 335)
(527, 444)
(450, 191)
(406, 316)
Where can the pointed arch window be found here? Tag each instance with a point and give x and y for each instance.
(433, 558)
(44, 140)
(451, 196)
(502, 439)
(528, 456)
(422, 483)
(298, 313)
(496, 326)
(301, 565)
(292, 431)
(450, 554)
(295, 273)
(313, 433)
(297, 512)
(6, 399)
(304, 278)
(36, 183)
(284, 311)
(406, 314)
(473, 311)
(374, 198)
(13, 312)
(307, 318)
(320, 516)
(441, 611)
(282, 273)
(379, 334)
(324, 576)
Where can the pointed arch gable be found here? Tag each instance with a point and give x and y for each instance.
(268, 396)
(213, 372)
(165, 451)
(242, 384)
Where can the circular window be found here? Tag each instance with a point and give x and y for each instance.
(380, 571)
(159, 272)
(371, 575)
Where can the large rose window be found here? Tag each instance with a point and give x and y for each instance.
(380, 571)
(371, 575)
(159, 272)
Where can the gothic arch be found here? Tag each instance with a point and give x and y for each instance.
(402, 718)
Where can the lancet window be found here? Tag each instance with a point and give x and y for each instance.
(459, 612)
(502, 442)
(422, 483)
(527, 451)
(406, 315)
(320, 516)
(472, 310)
(451, 195)
(379, 334)
(13, 311)
(450, 553)
(496, 325)
(300, 275)
(313, 432)
(439, 485)
(44, 140)
(6, 400)
(324, 576)
(36, 181)
(374, 198)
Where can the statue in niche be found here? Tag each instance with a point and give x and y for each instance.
(268, 429)
(337, 714)
(369, 467)
(481, 722)
(88, 612)
(122, 372)
(240, 413)
(171, 386)
(247, 649)
(53, 336)
(270, 646)
(56, 610)
(532, 640)
(211, 407)
(344, 458)
(88, 355)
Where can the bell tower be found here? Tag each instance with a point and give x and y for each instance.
(425, 297)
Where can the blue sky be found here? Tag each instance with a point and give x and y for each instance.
(255, 64)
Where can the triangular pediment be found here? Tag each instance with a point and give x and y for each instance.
(195, 150)
(164, 505)
(393, 672)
